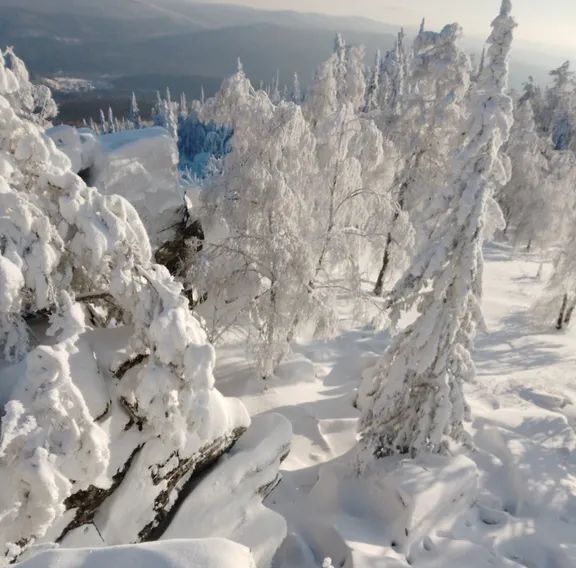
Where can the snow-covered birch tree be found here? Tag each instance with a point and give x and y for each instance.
(257, 261)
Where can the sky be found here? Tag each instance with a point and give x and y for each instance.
(547, 22)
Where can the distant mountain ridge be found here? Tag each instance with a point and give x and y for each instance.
(182, 44)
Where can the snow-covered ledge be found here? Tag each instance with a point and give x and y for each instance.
(228, 501)
(207, 553)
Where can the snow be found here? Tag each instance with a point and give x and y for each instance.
(207, 553)
(11, 280)
(120, 518)
(508, 502)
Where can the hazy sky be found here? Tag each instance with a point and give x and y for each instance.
(551, 22)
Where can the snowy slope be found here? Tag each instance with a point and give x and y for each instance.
(510, 502)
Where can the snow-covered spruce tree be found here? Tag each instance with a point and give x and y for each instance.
(296, 94)
(275, 94)
(256, 261)
(182, 107)
(111, 121)
(529, 202)
(134, 113)
(164, 415)
(425, 124)
(414, 397)
(373, 85)
(534, 93)
(103, 124)
(50, 445)
(392, 79)
(165, 113)
(561, 108)
(339, 80)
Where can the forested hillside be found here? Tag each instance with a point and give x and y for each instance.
(301, 324)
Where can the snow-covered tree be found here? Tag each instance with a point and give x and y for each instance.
(392, 78)
(353, 203)
(257, 263)
(561, 99)
(134, 113)
(183, 106)
(373, 85)
(529, 201)
(481, 64)
(296, 94)
(170, 122)
(50, 445)
(103, 123)
(275, 94)
(111, 121)
(57, 234)
(339, 80)
(165, 113)
(33, 102)
(557, 305)
(157, 116)
(414, 397)
(424, 120)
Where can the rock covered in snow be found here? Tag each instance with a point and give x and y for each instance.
(71, 459)
(141, 166)
(228, 501)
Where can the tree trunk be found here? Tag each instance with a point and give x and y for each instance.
(569, 312)
(562, 314)
(379, 287)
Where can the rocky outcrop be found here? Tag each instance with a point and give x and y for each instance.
(227, 501)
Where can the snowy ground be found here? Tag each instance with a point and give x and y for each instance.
(510, 502)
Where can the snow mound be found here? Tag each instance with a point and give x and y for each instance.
(383, 518)
(208, 553)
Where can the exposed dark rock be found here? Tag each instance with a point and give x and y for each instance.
(88, 501)
(191, 468)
